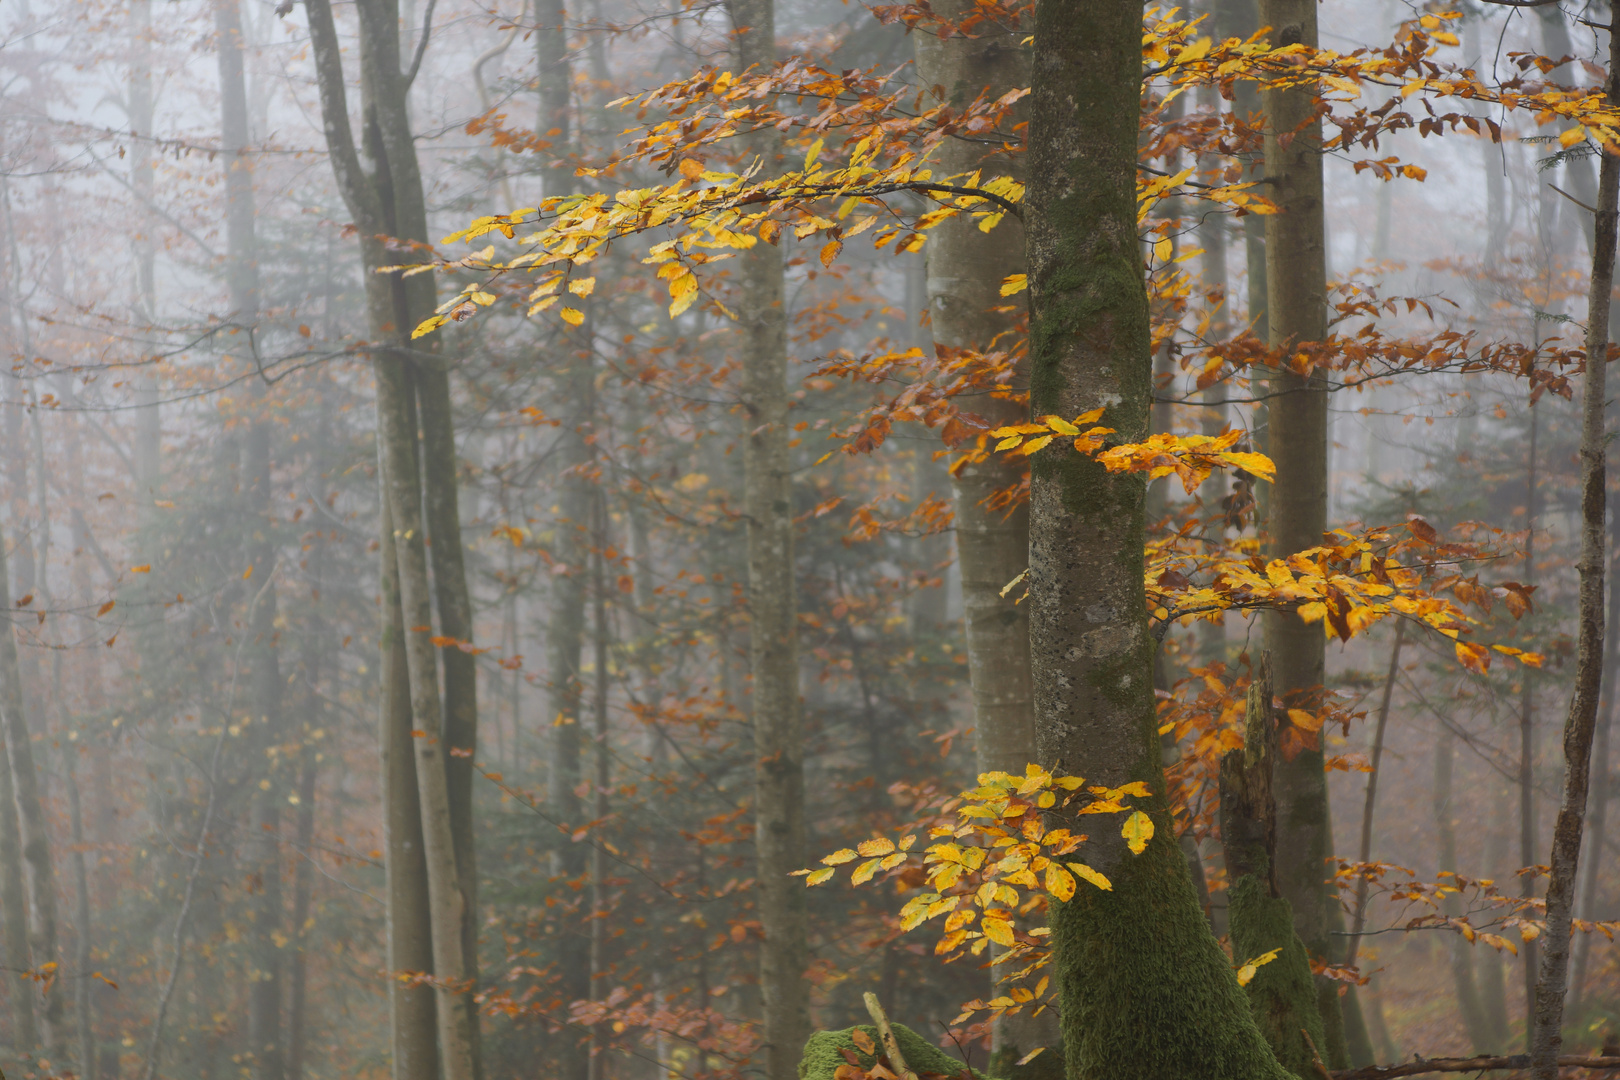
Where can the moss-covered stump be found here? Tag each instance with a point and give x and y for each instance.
(1283, 992)
(825, 1052)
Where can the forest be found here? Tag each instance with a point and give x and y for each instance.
(808, 540)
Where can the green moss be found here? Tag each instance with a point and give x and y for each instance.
(1147, 992)
(1283, 993)
(824, 1053)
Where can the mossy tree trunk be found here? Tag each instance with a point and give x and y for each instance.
(1144, 985)
(1283, 991)
(967, 312)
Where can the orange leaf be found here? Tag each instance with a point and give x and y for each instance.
(108, 606)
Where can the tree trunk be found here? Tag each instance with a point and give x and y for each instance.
(83, 984)
(779, 830)
(380, 203)
(565, 633)
(1296, 273)
(1469, 1003)
(262, 848)
(965, 269)
(1602, 786)
(412, 1013)
(1369, 803)
(39, 879)
(1527, 743)
(1583, 706)
(1240, 19)
(1282, 993)
(1141, 978)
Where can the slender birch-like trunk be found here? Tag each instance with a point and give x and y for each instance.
(1530, 962)
(1144, 985)
(1469, 1003)
(773, 644)
(1583, 706)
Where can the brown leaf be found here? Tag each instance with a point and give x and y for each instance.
(864, 1042)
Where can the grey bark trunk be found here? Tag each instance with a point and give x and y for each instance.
(413, 1021)
(1141, 977)
(965, 269)
(383, 203)
(1297, 308)
(779, 829)
(1552, 983)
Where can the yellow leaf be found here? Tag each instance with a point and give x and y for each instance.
(692, 170)
(1059, 882)
(863, 873)
(1060, 425)
(1137, 831)
(1445, 37)
(1015, 283)
(248, 572)
(1529, 931)
(427, 326)
(582, 287)
(572, 316)
(144, 568)
(998, 930)
(1009, 442)
(1162, 249)
(108, 606)
(1247, 972)
(1031, 1056)
(1572, 136)
(1088, 874)
(840, 857)
(811, 154)
(819, 876)
(1304, 721)
(879, 846)
(1035, 444)
(830, 251)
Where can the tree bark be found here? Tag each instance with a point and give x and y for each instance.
(1469, 1003)
(1296, 273)
(262, 848)
(1369, 803)
(779, 829)
(1282, 992)
(413, 1022)
(1527, 744)
(380, 202)
(565, 632)
(1141, 978)
(1602, 786)
(965, 269)
(1583, 706)
(39, 878)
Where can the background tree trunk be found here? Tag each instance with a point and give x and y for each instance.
(1553, 981)
(779, 836)
(1297, 309)
(965, 269)
(1141, 977)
